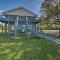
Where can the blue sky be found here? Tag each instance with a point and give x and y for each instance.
(33, 5)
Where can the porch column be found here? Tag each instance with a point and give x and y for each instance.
(8, 25)
(2, 27)
(16, 25)
(5, 28)
(27, 27)
(40, 25)
(35, 26)
(26, 22)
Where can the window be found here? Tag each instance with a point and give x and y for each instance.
(12, 17)
(22, 17)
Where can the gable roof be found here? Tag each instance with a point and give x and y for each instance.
(9, 12)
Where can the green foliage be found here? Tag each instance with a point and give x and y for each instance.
(51, 9)
(51, 13)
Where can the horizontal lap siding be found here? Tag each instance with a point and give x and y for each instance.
(21, 12)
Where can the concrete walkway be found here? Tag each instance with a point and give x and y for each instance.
(42, 35)
(57, 41)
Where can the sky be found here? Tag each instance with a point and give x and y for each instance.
(32, 5)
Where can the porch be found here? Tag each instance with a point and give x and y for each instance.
(15, 24)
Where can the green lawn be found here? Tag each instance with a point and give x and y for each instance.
(24, 49)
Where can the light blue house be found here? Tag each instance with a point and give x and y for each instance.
(19, 20)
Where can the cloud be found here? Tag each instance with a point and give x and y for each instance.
(1, 12)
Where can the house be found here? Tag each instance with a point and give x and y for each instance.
(19, 20)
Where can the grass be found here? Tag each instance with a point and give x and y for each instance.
(52, 33)
(50, 27)
(28, 49)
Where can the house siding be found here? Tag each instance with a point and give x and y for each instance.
(20, 12)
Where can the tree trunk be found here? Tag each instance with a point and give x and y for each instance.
(59, 32)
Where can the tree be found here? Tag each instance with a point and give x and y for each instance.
(51, 9)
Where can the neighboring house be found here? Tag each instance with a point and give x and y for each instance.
(19, 19)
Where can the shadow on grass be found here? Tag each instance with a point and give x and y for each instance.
(24, 49)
